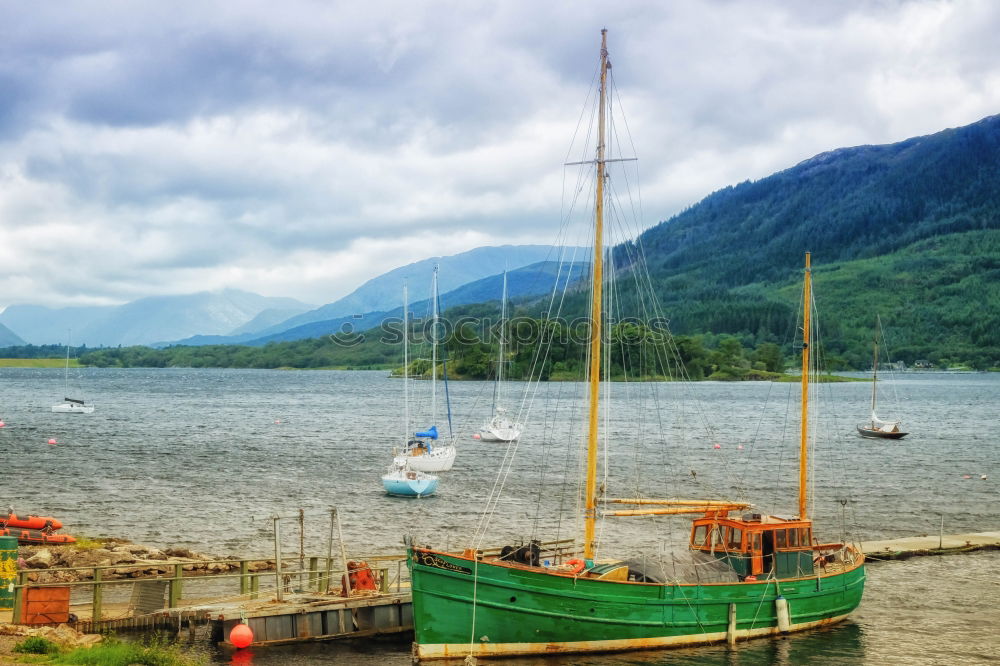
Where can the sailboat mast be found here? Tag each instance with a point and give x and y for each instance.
(503, 318)
(590, 517)
(406, 362)
(803, 446)
(874, 368)
(434, 349)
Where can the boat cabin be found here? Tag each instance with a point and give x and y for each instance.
(755, 545)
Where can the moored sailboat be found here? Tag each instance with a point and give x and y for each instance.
(757, 575)
(423, 451)
(877, 428)
(501, 427)
(403, 480)
(71, 405)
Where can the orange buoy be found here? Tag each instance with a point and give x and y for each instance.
(241, 635)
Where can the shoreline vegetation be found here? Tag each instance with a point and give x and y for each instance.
(536, 348)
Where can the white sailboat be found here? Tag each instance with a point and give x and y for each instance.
(877, 428)
(401, 479)
(501, 427)
(424, 451)
(70, 405)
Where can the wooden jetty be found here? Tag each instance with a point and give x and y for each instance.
(936, 544)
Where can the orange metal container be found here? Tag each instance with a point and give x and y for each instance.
(45, 605)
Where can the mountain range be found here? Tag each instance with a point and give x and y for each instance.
(232, 316)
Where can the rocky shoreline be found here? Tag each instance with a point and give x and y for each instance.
(46, 563)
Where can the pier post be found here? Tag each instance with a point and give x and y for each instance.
(255, 586)
(277, 559)
(302, 548)
(98, 593)
(329, 551)
(22, 582)
(313, 576)
(343, 554)
(244, 579)
(175, 586)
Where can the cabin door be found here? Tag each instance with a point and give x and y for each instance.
(756, 558)
(767, 552)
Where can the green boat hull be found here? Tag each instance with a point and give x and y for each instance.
(463, 607)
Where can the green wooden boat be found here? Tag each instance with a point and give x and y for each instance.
(751, 575)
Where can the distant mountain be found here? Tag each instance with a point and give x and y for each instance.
(385, 291)
(8, 338)
(524, 283)
(144, 321)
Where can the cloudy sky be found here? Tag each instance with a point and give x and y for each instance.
(300, 148)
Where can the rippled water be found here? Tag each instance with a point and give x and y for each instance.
(201, 458)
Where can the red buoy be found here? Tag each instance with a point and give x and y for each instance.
(718, 446)
(52, 441)
(241, 635)
(2, 424)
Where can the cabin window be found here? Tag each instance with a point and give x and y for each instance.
(793, 538)
(756, 541)
(780, 539)
(700, 533)
(735, 538)
(715, 537)
(805, 536)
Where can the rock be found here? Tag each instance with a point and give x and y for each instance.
(40, 560)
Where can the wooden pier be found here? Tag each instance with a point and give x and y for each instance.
(930, 544)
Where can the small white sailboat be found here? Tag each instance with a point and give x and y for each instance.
(877, 428)
(71, 405)
(501, 427)
(424, 452)
(402, 480)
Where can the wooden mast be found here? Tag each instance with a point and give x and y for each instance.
(874, 368)
(803, 447)
(590, 516)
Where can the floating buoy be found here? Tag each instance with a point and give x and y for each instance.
(740, 447)
(983, 477)
(477, 436)
(241, 635)
(52, 441)
(717, 446)
(2, 424)
(966, 476)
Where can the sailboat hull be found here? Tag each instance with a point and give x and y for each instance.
(440, 459)
(507, 610)
(70, 408)
(875, 433)
(399, 485)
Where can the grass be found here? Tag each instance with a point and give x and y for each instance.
(113, 652)
(38, 363)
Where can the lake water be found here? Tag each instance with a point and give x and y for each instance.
(202, 458)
